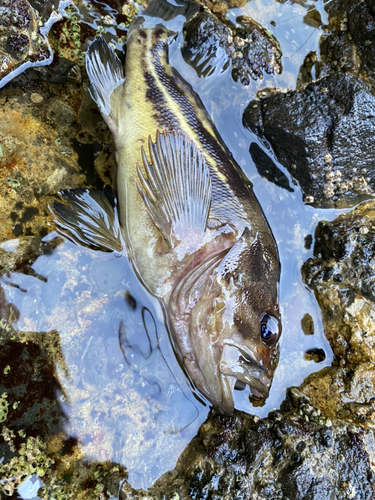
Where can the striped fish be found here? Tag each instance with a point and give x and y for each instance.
(193, 229)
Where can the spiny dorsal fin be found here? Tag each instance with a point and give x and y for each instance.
(177, 190)
(106, 74)
(88, 219)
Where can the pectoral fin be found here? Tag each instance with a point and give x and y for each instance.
(177, 189)
(88, 218)
(106, 75)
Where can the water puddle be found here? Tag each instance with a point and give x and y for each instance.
(121, 393)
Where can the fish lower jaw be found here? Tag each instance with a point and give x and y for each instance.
(245, 372)
(257, 388)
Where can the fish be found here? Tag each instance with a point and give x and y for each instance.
(186, 215)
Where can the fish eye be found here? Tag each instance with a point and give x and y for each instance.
(269, 329)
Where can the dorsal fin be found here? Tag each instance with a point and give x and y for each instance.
(177, 190)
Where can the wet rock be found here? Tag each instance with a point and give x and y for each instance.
(349, 41)
(221, 8)
(19, 255)
(206, 46)
(21, 43)
(324, 135)
(32, 438)
(52, 37)
(61, 114)
(297, 454)
(342, 275)
(212, 45)
(35, 158)
(51, 135)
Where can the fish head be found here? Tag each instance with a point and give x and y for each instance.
(246, 313)
(226, 322)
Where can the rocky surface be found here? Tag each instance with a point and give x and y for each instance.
(21, 42)
(295, 454)
(320, 445)
(349, 44)
(342, 275)
(53, 36)
(319, 134)
(212, 45)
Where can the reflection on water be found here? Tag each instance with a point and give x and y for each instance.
(297, 26)
(122, 391)
(123, 394)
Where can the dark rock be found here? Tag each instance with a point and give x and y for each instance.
(212, 45)
(57, 72)
(361, 26)
(349, 43)
(206, 46)
(44, 8)
(316, 355)
(324, 136)
(345, 248)
(294, 457)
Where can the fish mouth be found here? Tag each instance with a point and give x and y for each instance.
(239, 368)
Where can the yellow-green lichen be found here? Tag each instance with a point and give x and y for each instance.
(3, 407)
(130, 11)
(70, 39)
(63, 477)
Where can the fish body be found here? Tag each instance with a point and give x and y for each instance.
(194, 230)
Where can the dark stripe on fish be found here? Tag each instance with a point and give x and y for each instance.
(178, 90)
(163, 115)
(224, 205)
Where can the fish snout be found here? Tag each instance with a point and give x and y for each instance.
(240, 368)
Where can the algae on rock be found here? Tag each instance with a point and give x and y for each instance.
(342, 275)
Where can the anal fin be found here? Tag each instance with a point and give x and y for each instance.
(177, 190)
(88, 218)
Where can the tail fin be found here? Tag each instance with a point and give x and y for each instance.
(106, 78)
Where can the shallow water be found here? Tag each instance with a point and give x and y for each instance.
(124, 397)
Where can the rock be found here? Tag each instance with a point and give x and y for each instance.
(206, 46)
(348, 44)
(212, 45)
(324, 135)
(52, 37)
(296, 455)
(21, 43)
(35, 161)
(32, 438)
(342, 275)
